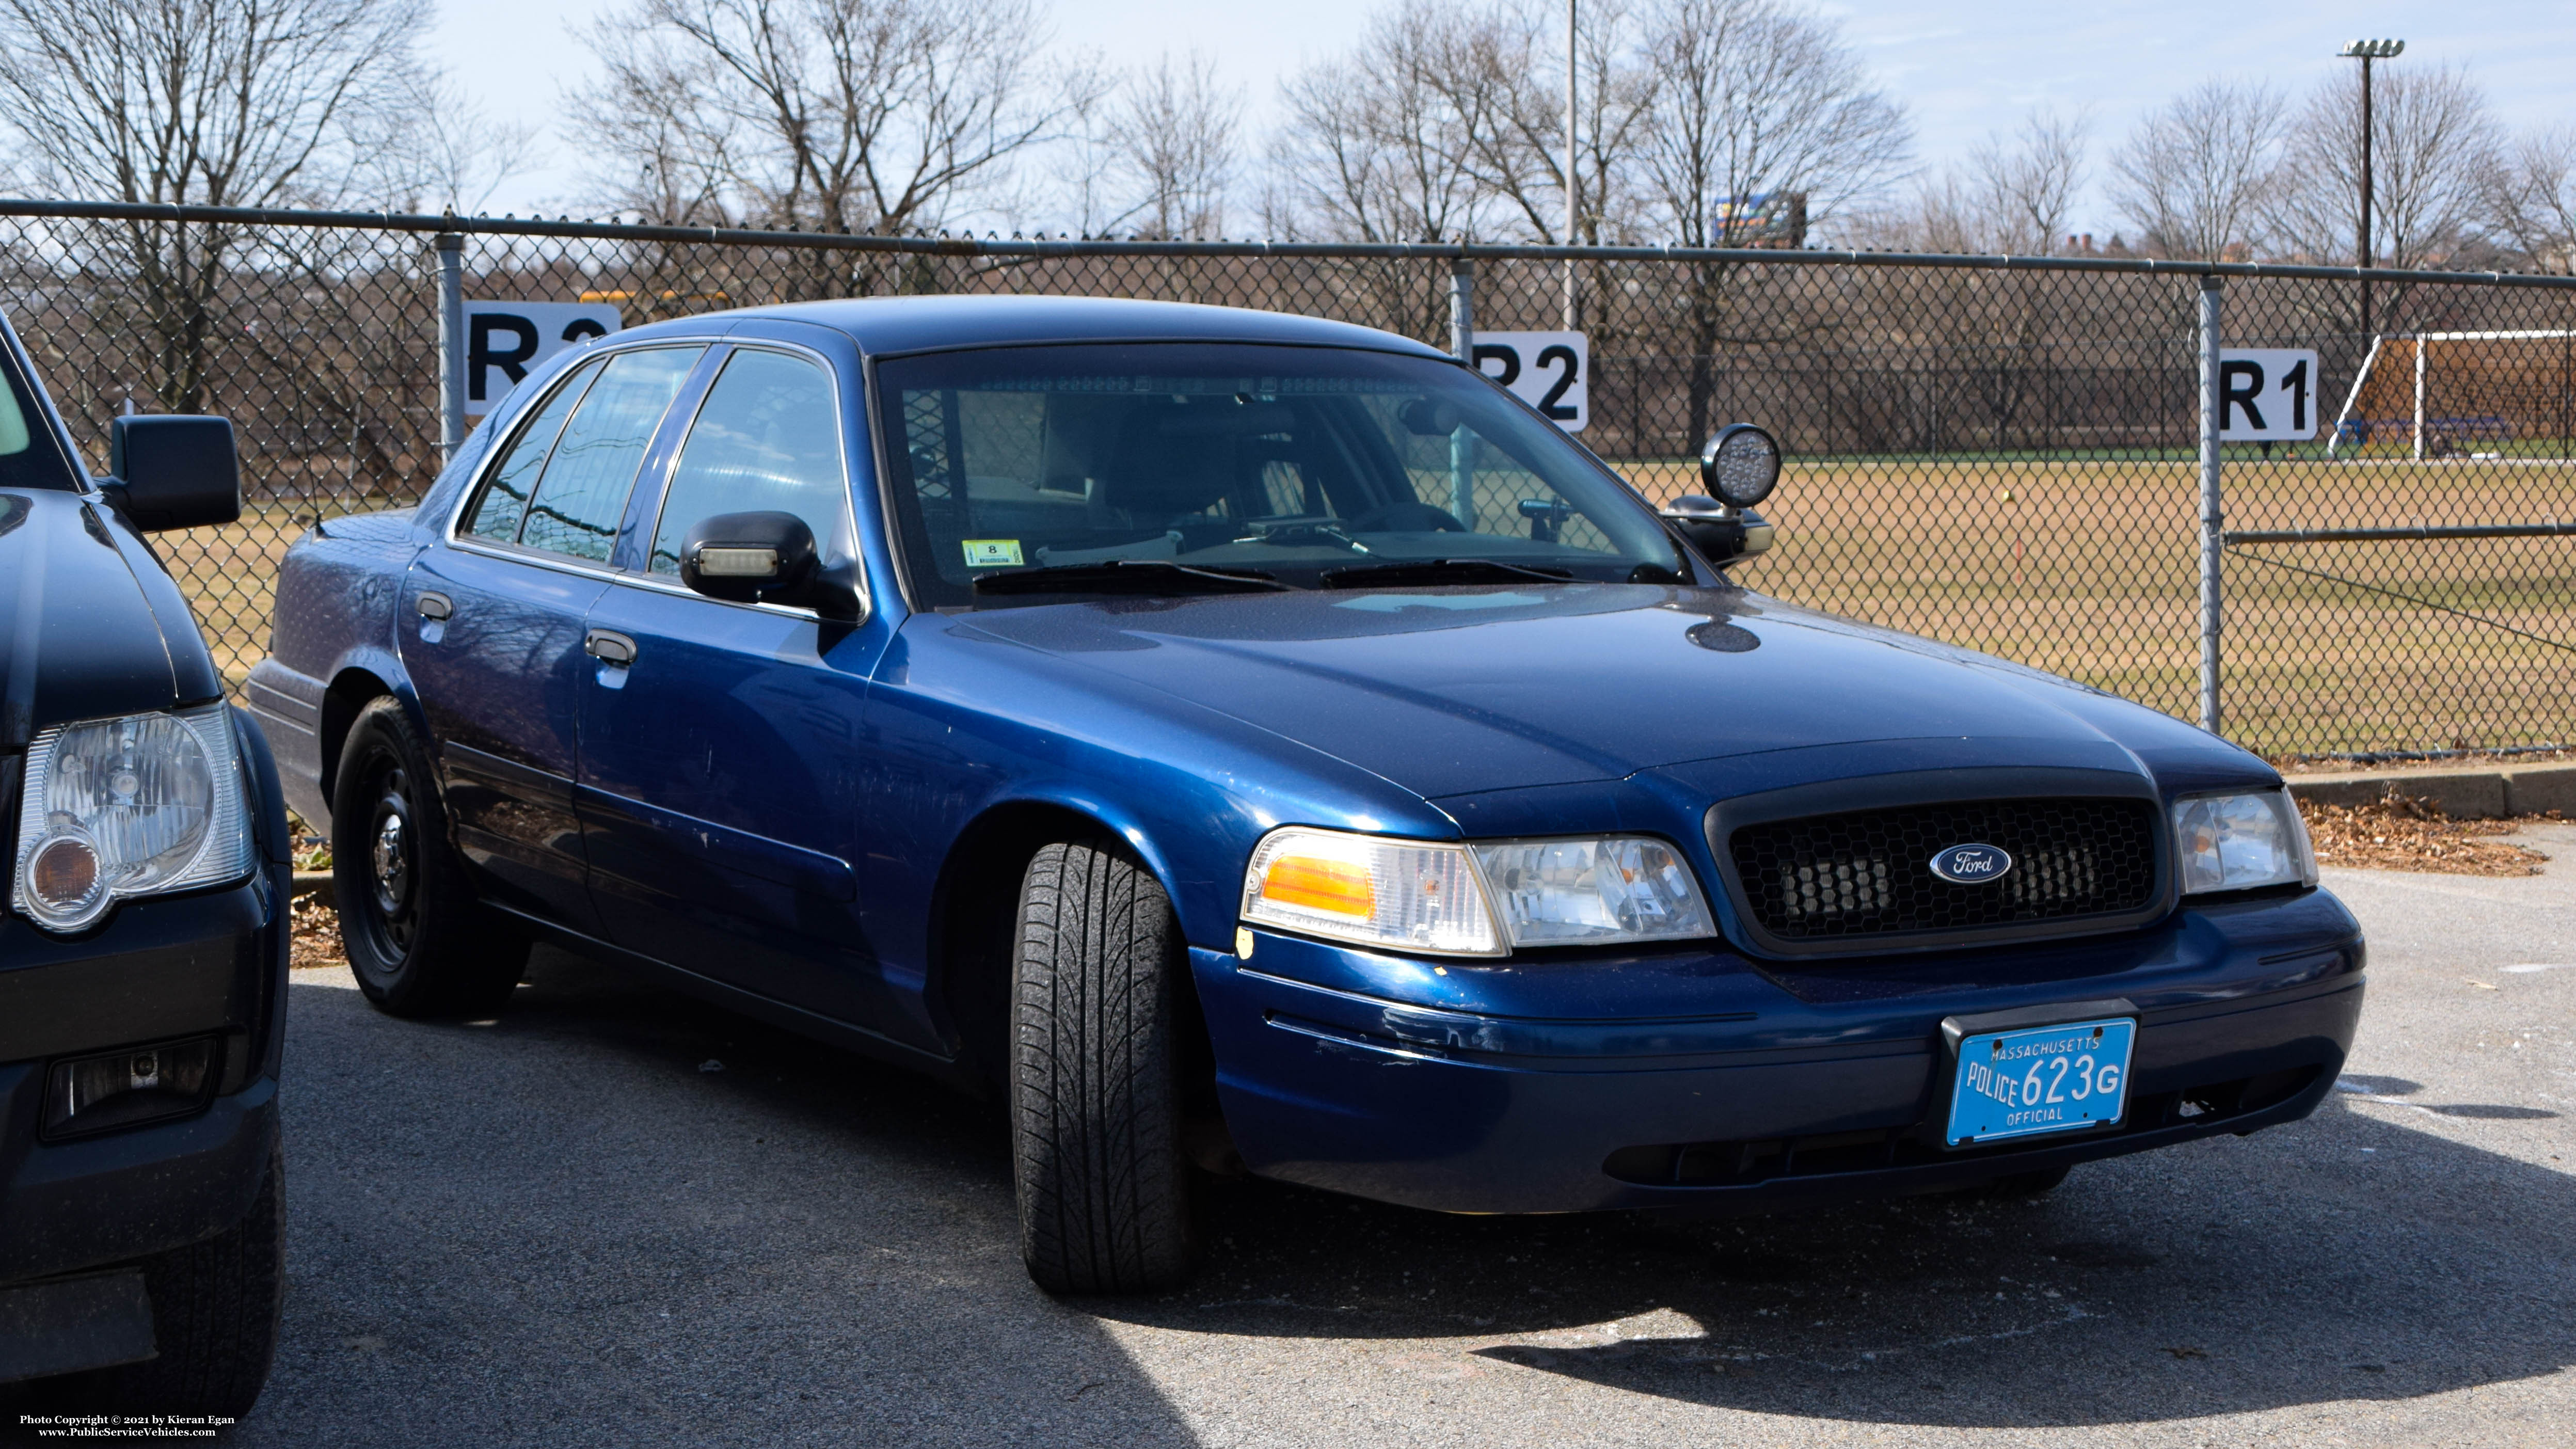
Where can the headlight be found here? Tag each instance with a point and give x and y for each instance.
(1408, 894)
(128, 807)
(1473, 900)
(1593, 892)
(2238, 842)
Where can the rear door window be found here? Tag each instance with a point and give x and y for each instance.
(582, 492)
(768, 438)
(504, 504)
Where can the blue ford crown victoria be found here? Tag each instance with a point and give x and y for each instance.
(1257, 743)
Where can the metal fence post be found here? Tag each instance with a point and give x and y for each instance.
(451, 344)
(1462, 309)
(1462, 341)
(2211, 514)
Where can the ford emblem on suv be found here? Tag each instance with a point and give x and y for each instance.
(1971, 864)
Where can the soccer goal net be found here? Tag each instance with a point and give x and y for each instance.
(2461, 395)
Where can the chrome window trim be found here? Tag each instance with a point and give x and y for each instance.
(645, 578)
(492, 458)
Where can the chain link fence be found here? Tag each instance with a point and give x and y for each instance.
(2002, 453)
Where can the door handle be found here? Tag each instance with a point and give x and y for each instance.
(434, 605)
(609, 647)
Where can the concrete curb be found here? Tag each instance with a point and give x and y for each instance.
(2486, 793)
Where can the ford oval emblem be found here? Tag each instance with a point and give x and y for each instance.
(1972, 864)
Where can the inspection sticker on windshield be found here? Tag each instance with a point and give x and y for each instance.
(2041, 1079)
(992, 553)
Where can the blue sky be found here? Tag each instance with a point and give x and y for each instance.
(1962, 69)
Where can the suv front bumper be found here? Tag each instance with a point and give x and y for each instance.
(157, 970)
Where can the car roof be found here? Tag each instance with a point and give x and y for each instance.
(882, 325)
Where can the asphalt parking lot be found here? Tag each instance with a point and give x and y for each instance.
(568, 1227)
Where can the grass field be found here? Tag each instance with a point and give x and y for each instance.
(2084, 568)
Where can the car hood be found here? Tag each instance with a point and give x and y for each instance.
(82, 633)
(1454, 691)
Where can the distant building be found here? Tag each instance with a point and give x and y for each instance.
(1771, 219)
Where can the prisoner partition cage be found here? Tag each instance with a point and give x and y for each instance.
(2011, 454)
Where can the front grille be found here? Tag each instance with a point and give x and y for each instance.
(1869, 873)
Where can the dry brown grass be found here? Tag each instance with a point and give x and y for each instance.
(2084, 568)
(2090, 569)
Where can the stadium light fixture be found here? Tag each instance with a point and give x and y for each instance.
(2367, 51)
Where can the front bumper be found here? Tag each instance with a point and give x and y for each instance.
(1705, 1080)
(156, 970)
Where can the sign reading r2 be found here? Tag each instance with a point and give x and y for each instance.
(503, 340)
(1551, 371)
(2267, 395)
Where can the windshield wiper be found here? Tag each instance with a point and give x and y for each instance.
(1129, 576)
(1440, 571)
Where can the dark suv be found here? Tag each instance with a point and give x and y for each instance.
(143, 939)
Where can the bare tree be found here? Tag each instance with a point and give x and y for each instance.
(882, 116)
(2433, 151)
(206, 102)
(1756, 99)
(1505, 60)
(2025, 186)
(1375, 146)
(2013, 194)
(1757, 106)
(213, 102)
(2192, 174)
(432, 149)
(2530, 198)
(1176, 138)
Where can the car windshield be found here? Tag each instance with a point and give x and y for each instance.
(28, 455)
(1175, 467)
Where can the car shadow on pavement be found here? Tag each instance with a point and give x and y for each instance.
(2340, 1258)
(614, 1216)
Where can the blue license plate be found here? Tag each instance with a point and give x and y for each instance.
(2041, 1079)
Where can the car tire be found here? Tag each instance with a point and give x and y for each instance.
(1097, 1010)
(215, 1308)
(417, 940)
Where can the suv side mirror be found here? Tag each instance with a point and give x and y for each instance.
(767, 557)
(174, 471)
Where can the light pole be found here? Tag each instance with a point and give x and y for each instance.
(1573, 196)
(2367, 51)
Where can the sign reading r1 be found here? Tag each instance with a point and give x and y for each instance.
(503, 340)
(2267, 395)
(1551, 371)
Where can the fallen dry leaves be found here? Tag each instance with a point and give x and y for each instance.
(2403, 833)
(317, 934)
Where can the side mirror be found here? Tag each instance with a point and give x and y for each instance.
(175, 472)
(1722, 535)
(766, 558)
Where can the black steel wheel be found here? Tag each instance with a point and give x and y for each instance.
(418, 941)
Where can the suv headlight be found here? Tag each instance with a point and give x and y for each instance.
(2239, 842)
(1480, 899)
(127, 807)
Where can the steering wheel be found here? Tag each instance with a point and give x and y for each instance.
(1408, 517)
